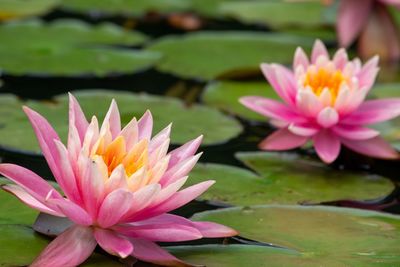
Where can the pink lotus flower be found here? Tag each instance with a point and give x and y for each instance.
(373, 23)
(324, 102)
(118, 186)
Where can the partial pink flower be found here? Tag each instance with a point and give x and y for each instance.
(371, 21)
(324, 101)
(118, 185)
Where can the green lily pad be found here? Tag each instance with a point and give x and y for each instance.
(20, 245)
(329, 236)
(124, 7)
(188, 122)
(237, 256)
(15, 9)
(225, 95)
(276, 13)
(209, 55)
(285, 179)
(69, 47)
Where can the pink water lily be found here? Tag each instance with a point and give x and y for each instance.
(371, 21)
(324, 101)
(119, 185)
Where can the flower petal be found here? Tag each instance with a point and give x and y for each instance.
(112, 119)
(318, 50)
(327, 146)
(77, 117)
(282, 139)
(114, 207)
(74, 212)
(368, 73)
(352, 18)
(113, 243)
(300, 59)
(71, 248)
(374, 111)
(213, 230)
(304, 129)
(150, 252)
(145, 125)
(354, 132)
(179, 170)
(185, 151)
(328, 117)
(374, 147)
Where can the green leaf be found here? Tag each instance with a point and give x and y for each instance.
(188, 122)
(12, 9)
(209, 55)
(124, 7)
(285, 179)
(70, 48)
(20, 245)
(324, 236)
(225, 95)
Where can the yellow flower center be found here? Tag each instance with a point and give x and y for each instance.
(324, 78)
(115, 154)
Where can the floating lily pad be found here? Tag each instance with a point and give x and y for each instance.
(70, 48)
(188, 122)
(225, 96)
(20, 245)
(329, 236)
(124, 7)
(276, 13)
(285, 179)
(14, 9)
(209, 55)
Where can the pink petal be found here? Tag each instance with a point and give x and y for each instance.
(30, 201)
(68, 181)
(159, 139)
(113, 119)
(308, 103)
(282, 80)
(46, 136)
(353, 16)
(327, 146)
(213, 230)
(185, 151)
(169, 190)
(340, 58)
(168, 232)
(300, 59)
(71, 248)
(113, 243)
(374, 111)
(328, 117)
(150, 252)
(304, 129)
(145, 125)
(74, 212)
(270, 108)
(354, 132)
(114, 207)
(29, 181)
(368, 73)
(375, 147)
(179, 170)
(130, 134)
(117, 179)
(77, 117)
(282, 139)
(318, 50)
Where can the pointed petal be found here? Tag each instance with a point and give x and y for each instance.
(214, 230)
(71, 248)
(113, 119)
(308, 103)
(77, 117)
(141, 200)
(354, 132)
(318, 50)
(374, 111)
(159, 139)
(375, 147)
(74, 212)
(113, 243)
(282, 139)
(306, 130)
(130, 134)
(145, 125)
(352, 17)
(368, 73)
(327, 146)
(340, 59)
(185, 151)
(30, 201)
(46, 136)
(300, 59)
(328, 117)
(150, 252)
(179, 170)
(114, 207)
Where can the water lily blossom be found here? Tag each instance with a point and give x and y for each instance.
(324, 101)
(371, 21)
(118, 185)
